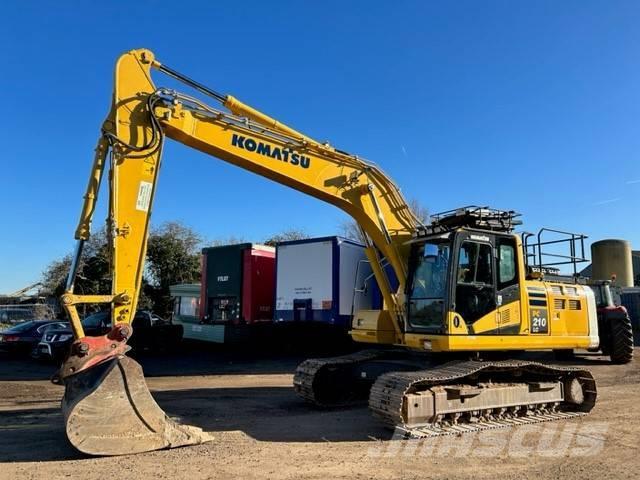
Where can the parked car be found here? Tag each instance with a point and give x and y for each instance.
(150, 332)
(23, 337)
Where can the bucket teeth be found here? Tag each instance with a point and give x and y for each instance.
(108, 410)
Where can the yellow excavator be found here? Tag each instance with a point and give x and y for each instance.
(463, 295)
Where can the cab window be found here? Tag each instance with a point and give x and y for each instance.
(474, 264)
(429, 285)
(475, 291)
(430, 276)
(506, 264)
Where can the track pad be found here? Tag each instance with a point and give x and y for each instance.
(108, 410)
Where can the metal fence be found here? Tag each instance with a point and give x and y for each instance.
(12, 314)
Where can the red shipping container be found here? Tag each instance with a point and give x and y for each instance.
(238, 284)
(258, 284)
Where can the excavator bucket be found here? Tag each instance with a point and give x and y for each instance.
(108, 410)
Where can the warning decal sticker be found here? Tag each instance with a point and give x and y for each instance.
(144, 196)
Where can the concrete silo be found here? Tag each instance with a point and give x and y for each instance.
(610, 258)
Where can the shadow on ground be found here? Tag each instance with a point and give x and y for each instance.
(193, 358)
(270, 414)
(34, 435)
(184, 363)
(29, 432)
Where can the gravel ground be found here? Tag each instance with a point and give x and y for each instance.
(262, 430)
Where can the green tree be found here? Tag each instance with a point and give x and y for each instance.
(55, 275)
(173, 256)
(93, 271)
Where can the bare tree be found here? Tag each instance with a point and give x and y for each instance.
(286, 236)
(349, 228)
(419, 210)
(221, 242)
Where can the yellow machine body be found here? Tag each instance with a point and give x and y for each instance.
(542, 315)
(469, 315)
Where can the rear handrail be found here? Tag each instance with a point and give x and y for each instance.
(537, 256)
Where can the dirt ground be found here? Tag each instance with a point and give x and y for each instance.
(263, 430)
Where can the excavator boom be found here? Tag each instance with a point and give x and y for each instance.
(107, 406)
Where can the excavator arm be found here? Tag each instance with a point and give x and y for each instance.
(129, 149)
(131, 143)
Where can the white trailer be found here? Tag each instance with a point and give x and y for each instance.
(322, 280)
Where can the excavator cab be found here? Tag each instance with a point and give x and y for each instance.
(466, 264)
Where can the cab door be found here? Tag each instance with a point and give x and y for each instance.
(507, 286)
(474, 291)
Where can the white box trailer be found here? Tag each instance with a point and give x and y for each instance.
(324, 280)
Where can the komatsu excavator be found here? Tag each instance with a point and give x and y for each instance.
(456, 291)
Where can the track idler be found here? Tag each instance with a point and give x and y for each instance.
(107, 407)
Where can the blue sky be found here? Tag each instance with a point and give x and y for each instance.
(533, 106)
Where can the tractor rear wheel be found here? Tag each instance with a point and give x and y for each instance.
(621, 340)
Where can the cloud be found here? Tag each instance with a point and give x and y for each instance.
(631, 182)
(404, 151)
(605, 202)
